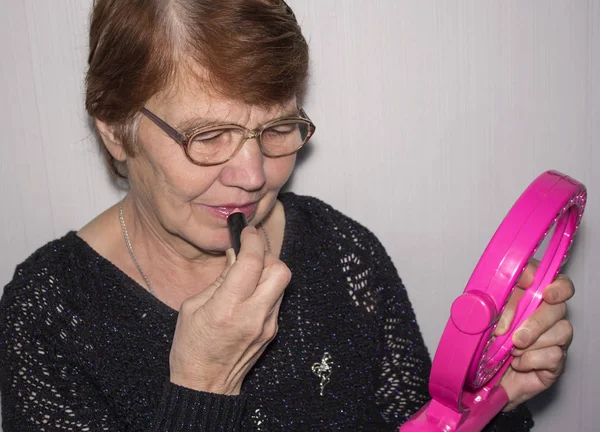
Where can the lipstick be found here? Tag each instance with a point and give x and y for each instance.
(236, 222)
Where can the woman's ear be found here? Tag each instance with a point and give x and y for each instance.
(111, 141)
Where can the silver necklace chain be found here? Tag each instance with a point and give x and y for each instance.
(137, 264)
(130, 249)
(266, 236)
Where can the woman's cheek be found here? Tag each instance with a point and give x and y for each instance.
(190, 183)
(280, 171)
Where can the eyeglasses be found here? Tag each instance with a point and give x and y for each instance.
(217, 144)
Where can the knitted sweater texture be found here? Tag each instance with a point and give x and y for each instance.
(83, 347)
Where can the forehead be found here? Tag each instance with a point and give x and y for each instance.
(192, 95)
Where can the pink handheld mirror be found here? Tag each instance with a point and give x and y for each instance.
(470, 361)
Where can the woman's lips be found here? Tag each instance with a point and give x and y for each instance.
(225, 210)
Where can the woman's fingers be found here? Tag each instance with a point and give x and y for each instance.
(543, 319)
(275, 278)
(541, 341)
(546, 359)
(561, 335)
(559, 291)
(245, 273)
(216, 343)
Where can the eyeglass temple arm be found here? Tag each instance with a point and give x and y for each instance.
(164, 126)
(303, 114)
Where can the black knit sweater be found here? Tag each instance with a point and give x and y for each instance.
(84, 348)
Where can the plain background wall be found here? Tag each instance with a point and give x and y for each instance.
(432, 117)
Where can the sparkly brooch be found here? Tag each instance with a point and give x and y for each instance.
(323, 370)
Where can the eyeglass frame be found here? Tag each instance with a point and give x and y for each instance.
(184, 139)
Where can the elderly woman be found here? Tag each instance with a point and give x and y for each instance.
(145, 320)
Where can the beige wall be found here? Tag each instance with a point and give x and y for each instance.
(431, 119)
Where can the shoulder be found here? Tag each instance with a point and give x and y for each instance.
(36, 280)
(34, 304)
(40, 307)
(52, 256)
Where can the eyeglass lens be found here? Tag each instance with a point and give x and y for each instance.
(217, 144)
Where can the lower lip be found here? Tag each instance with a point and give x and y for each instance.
(224, 212)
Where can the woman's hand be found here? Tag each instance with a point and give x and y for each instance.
(541, 342)
(223, 331)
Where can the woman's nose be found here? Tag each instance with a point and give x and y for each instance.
(245, 170)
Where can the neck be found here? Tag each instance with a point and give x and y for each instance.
(174, 270)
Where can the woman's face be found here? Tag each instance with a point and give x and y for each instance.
(191, 203)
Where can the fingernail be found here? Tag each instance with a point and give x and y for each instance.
(522, 337)
(230, 254)
(554, 294)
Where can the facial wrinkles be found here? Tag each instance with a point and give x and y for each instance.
(164, 203)
(164, 198)
(171, 185)
(191, 97)
(178, 106)
(168, 186)
(162, 166)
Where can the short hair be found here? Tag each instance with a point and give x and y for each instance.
(251, 50)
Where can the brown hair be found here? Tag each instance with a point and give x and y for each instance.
(252, 50)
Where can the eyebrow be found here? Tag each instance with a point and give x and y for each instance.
(192, 123)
